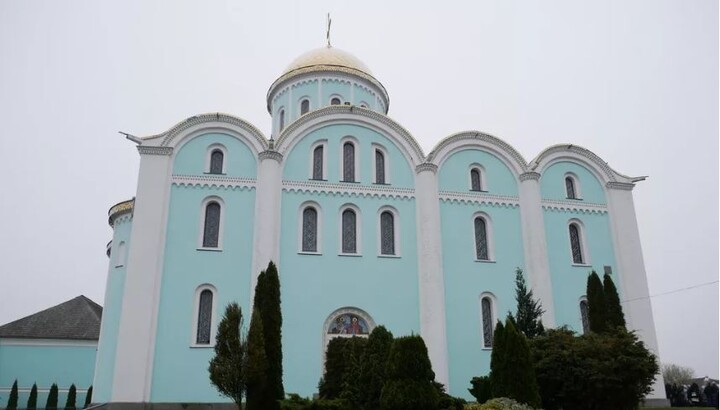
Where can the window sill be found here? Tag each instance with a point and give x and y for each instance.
(485, 261)
(486, 348)
(119, 266)
(309, 253)
(389, 256)
(350, 182)
(207, 346)
(574, 199)
(317, 179)
(215, 173)
(210, 249)
(582, 265)
(479, 190)
(350, 254)
(381, 183)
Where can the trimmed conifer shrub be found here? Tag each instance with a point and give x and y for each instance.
(481, 389)
(226, 367)
(372, 369)
(257, 396)
(409, 377)
(32, 399)
(331, 384)
(614, 314)
(13, 399)
(52, 399)
(71, 398)
(497, 359)
(88, 397)
(267, 299)
(351, 390)
(596, 304)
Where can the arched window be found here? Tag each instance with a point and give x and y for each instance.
(335, 101)
(211, 229)
(304, 106)
(309, 229)
(349, 162)
(487, 321)
(481, 239)
(216, 161)
(576, 244)
(475, 180)
(317, 169)
(584, 316)
(387, 233)
(379, 167)
(570, 187)
(282, 119)
(204, 317)
(349, 231)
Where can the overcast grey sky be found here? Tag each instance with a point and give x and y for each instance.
(636, 82)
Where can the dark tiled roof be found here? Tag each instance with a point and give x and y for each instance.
(78, 318)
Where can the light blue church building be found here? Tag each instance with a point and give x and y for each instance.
(366, 229)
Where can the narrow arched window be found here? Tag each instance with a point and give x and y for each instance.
(487, 322)
(584, 316)
(304, 107)
(379, 167)
(335, 101)
(575, 244)
(570, 188)
(348, 162)
(216, 162)
(387, 233)
(349, 231)
(211, 232)
(309, 230)
(481, 239)
(204, 319)
(282, 119)
(317, 170)
(475, 181)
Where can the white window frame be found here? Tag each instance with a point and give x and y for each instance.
(324, 144)
(583, 242)
(490, 237)
(356, 144)
(201, 230)
(383, 150)
(208, 158)
(299, 105)
(120, 254)
(576, 185)
(338, 96)
(493, 317)
(483, 180)
(196, 312)
(358, 230)
(319, 227)
(396, 232)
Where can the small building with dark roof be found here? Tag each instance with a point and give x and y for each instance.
(57, 345)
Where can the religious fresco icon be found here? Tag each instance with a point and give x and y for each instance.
(348, 324)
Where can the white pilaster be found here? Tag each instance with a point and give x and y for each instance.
(138, 318)
(266, 237)
(534, 242)
(631, 269)
(430, 271)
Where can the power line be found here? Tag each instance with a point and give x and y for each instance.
(673, 291)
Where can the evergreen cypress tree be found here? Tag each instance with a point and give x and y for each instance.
(519, 374)
(71, 398)
(32, 399)
(333, 380)
(13, 399)
(88, 397)
(256, 368)
(372, 369)
(267, 299)
(529, 310)
(352, 388)
(409, 377)
(226, 367)
(497, 359)
(615, 316)
(52, 399)
(597, 312)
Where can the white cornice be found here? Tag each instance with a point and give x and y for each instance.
(529, 175)
(427, 166)
(146, 150)
(573, 206)
(270, 154)
(625, 186)
(349, 189)
(482, 140)
(478, 198)
(213, 181)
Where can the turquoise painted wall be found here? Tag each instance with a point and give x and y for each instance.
(297, 162)
(45, 365)
(302, 91)
(454, 173)
(192, 156)
(363, 95)
(176, 364)
(466, 279)
(313, 286)
(105, 368)
(569, 281)
(335, 87)
(552, 183)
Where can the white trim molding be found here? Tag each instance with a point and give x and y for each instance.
(493, 318)
(201, 229)
(582, 237)
(348, 189)
(489, 236)
(319, 143)
(208, 158)
(213, 181)
(318, 228)
(576, 186)
(570, 205)
(196, 312)
(358, 230)
(483, 177)
(386, 164)
(348, 139)
(396, 231)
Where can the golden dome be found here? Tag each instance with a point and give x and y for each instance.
(327, 56)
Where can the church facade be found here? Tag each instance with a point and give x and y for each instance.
(366, 230)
